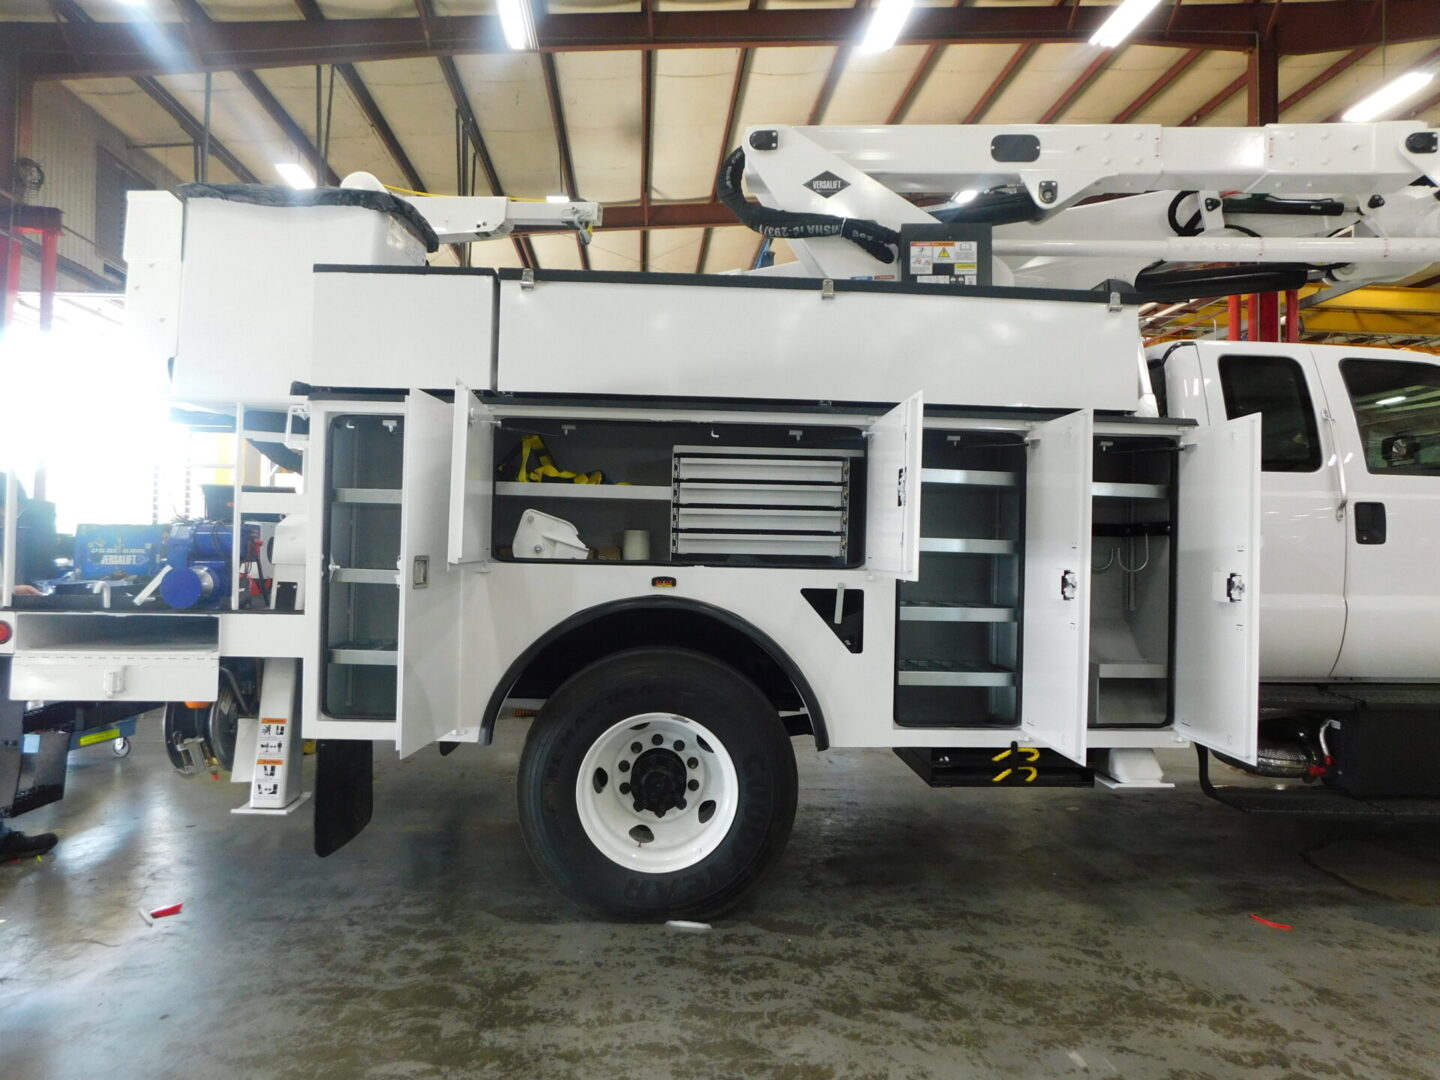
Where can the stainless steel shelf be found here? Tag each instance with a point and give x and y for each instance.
(368, 496)
(584, 491)
(957, 546)
(1135, 670)
(356, 576)
(362, 657)
(936, 611)
(1102, 490)
(948, 673)
(971, 477)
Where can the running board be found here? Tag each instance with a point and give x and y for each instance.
(1006, 766)
(1316, 802)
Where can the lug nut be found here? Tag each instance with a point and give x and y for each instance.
(637, 806)
(636, 748)
(659, 813)
(657, 739)
(679, 746)
(693, 763)
(624, 789)
(624, 766)
(680, 804)
(693, 785)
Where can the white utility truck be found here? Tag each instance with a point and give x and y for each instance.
(920, 489)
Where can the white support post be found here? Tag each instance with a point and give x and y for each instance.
(9, 557)
(279, 749)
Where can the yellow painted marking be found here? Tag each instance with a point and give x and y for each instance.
(997, 779)
(99, 736)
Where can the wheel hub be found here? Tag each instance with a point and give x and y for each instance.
(658, 781)
(657, 792)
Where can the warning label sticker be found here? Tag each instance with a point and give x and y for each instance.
(945, 261)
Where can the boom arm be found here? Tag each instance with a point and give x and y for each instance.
(1351, 178)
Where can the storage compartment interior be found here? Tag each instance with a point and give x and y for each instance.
(958, 634)
(735, 494)
(1131, 582)
(362, 597)
(52, 632)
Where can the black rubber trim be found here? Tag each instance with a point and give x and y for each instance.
(841, 285)
(671, 603)
(440, 271)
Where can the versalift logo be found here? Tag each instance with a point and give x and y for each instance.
(826, 184)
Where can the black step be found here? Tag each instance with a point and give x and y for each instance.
(1013, 766)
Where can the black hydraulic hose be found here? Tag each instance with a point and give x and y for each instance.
(876, 240)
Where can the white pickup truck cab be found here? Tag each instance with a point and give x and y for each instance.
(1350, 512)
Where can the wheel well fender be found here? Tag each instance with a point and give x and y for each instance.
(600, 631)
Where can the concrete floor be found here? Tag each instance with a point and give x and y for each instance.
(907, 933)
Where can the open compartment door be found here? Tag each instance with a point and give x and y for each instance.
(1054, 667)
(429, 647)
(472, 478)
(1217, 588)
(892, 490)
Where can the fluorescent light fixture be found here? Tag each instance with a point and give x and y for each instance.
(557, 198)
(885, 25)
(960, 198)
(1388, 96)
(1391, 400)
(517, 19)
(295, 175)
(1122, 21)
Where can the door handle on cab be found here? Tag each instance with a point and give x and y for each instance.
(1369, 523)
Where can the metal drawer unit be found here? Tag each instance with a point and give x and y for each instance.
(765, 502)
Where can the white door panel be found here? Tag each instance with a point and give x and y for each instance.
(1217, 582)
(1392, 585)
(892, 490)
(430, 608)
(1303, 551)
(1056, 630)
(472, 478)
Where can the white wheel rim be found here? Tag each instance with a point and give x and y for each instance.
(678, 836)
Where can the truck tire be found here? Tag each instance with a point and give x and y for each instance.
(656, 784)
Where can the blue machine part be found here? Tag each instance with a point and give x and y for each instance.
(198, 553)
(118, 551)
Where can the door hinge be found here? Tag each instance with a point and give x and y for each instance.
(1069, 584)
(420, 572)
(827, 289)
(527, 278)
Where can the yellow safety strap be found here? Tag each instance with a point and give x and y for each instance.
(547, 467)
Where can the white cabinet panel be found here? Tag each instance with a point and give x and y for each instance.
(1217, 588)
(1055, 664)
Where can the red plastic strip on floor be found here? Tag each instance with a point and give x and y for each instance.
(1272, 925)
(174, 909)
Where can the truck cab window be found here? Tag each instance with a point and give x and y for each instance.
(1397, 408)
(1274, 386)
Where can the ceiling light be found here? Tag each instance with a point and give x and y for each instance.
(1388, 96)
(557, 198)
(1391, 400)
(885, 25)
(295, 175)
(960, 198)
(1122, 21)
(517, 19)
